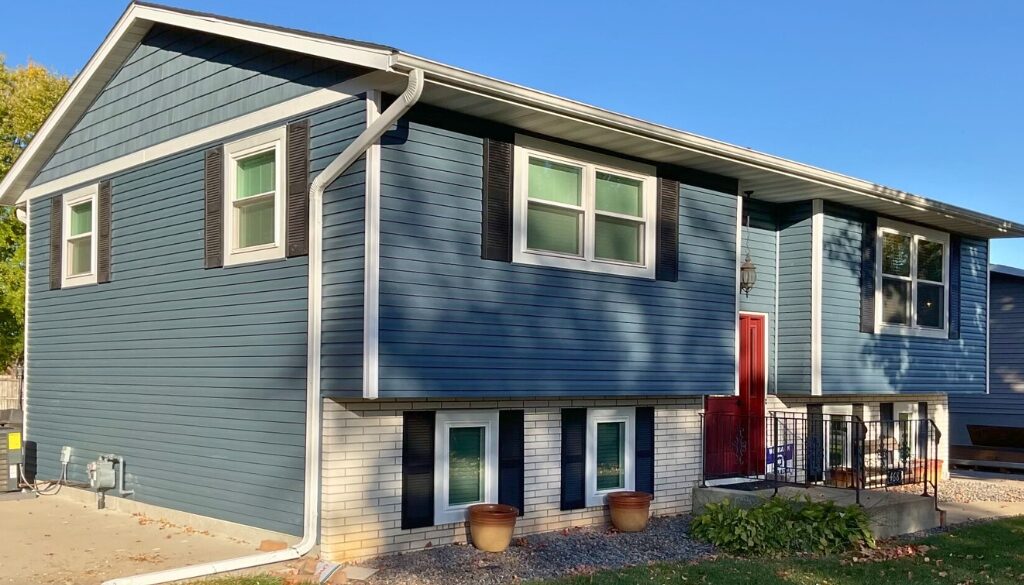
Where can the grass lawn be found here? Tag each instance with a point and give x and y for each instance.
(983, 553)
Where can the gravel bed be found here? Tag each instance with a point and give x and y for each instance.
(542, 556)
(964, 490)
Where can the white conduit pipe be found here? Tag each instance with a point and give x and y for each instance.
(311, 514)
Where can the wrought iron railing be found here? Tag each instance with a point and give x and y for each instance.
(840, 451)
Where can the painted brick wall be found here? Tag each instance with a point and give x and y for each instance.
(363, 464)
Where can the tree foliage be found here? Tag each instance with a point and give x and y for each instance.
(27, 95)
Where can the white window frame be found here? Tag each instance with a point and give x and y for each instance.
(271, 140)
(625, 415)
(445, 421)
(827, 412)
(592, 163)
(917, 234)
(90, 193)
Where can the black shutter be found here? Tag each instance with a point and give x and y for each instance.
(103, 238)
(667, 262)
(574, 458)
(56, 245)
(644, 460)
(511, 468)
(418, 469)
(496, 226)
(297, 202)
(868, 251)
(213, 235)
(954, 287)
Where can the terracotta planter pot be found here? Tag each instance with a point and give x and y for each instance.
(917, 469)
(630, 510)
(491, 526)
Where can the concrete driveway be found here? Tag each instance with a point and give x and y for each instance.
(56, 541)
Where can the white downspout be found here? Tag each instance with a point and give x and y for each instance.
(311, 512)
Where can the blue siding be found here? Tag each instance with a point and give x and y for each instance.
(344, 205)
(759, 238)
(179, 81)
(1005, 405)
(794, 322)
(196, 376)
(861, 362)
(454, 324)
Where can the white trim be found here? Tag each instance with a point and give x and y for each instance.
(916, 234)
(591, 163)
(767, 324)
(627, 416)
(447, 420)
(371, 258)
(817, 261)
(988, 322)
(27, 220)
(736, 295)
(269, 141)
(88, 194)
(775, 347)
(211, 134)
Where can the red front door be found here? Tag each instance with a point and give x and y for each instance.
(734, 425)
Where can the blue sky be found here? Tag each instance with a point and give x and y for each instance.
(921, 96)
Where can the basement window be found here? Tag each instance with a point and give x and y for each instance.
(254, 198)
(465, 462)
(611, 438)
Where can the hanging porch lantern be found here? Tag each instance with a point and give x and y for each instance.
(748, 271)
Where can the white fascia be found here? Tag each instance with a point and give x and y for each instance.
(371, 257)
(736, 292)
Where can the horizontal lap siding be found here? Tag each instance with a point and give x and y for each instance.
(794, 369)
(454, 324)
(196, 376)
(180, 81)
(344, 204)
(759, 238)
(862, 362)
(1005, 405)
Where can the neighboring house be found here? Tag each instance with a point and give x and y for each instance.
(988, 430)
(520, 298)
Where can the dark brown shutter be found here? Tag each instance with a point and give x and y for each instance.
(644, 461)
(297, 206)
(56, 245)
(496, 227)
(868, 252)
(418, 469)
(574, 458)
(103, 238)
(667, 261)
(954, 286)
(511, 460)
(214, 226)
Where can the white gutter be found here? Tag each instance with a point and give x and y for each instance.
(23, 216)
(311, 513)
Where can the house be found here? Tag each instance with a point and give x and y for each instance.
(988, 429)
(332, 289)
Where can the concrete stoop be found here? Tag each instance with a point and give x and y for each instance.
(891, 513)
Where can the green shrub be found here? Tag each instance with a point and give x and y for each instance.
(783, 525)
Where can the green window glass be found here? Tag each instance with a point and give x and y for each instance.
(80, 239)
(555, 182)
(619, 194)
(255, 175)
(554, 228)
(611, 455)
(618, 239)
(254, 199)
(465, 465)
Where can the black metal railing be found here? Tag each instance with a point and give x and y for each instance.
(840, 451)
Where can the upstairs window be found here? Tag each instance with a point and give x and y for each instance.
(254, 198)
(80, 229)
(913, 280)
(583, 211)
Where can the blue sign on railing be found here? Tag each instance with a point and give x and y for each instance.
(779, 459)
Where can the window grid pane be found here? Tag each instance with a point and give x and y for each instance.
(895, 301)
(618, 239)
(555, 182)
(465, 465)
(80, 252)
(931, 305)
(611, 447)
(929, 261)
(617, 194)
(256, 223)
(896, 254)
(256, 175)
(553, 229)
(81, 219)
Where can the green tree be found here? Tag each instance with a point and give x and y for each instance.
(27, 95)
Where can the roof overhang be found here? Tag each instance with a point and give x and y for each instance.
(1006, 270)
(772, 178)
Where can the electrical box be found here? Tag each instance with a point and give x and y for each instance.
(10, 458)
(102, 475)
